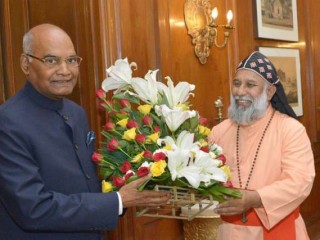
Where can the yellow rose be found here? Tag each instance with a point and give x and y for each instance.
(158, 168)
(227, 171)
(203, 143)
(138, 157)
(123, 122)
(204, 130)
(145, 109)
(129, 134)
(153, 138)
(106, 186)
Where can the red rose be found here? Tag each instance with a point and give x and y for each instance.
(147, 154)
(124, 103)
(159, 156)
(126, 166)
(228, 184)
(101, 94)
(132, 124)
(109, 126)
(204, 149)
(96, 157)
(140, 138)
(118, 181)
(113, 145)
(128, 175)
(156, 128)
(143, 171)
(222, 158)
(203, 121)
(147, 120)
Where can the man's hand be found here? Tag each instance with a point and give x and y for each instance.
(131, 197)
(250, 199)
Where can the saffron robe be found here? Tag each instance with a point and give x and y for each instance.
(283, 173)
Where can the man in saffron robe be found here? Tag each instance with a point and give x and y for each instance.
(270, 157)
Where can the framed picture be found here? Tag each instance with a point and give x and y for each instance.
(276, 19)
(287, 64)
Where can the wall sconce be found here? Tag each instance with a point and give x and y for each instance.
(203, 28)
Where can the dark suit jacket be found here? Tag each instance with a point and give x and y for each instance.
(48, 185)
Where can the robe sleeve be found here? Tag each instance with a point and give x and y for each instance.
(294, 184)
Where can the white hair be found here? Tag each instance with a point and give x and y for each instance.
(27, 42)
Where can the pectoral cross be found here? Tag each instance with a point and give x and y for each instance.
(244, 217)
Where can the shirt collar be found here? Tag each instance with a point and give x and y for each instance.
(42, 100)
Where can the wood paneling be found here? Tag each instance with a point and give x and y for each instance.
(13, 25)
(2, 94)
(179, 62)
(313, 20)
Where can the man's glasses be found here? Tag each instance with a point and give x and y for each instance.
(53, 61)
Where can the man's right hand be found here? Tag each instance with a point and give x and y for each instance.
(131, 197)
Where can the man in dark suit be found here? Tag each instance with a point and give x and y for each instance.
(48, 185)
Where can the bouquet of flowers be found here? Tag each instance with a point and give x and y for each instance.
(151, 130)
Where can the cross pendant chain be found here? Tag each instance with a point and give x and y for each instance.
(244, 217)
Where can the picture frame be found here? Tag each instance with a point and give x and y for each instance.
(287, 64)
(276, 19)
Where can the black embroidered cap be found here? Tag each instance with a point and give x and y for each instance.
(261, 65)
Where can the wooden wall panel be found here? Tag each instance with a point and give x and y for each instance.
(314, 41)
(13, 25)
(2, 94)
(180, 63)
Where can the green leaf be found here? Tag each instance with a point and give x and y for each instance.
(132, 178)
(163, 178)
(105, 172)
(126, 95)
(143, 185)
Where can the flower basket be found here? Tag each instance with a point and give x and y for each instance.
(181, 198)
(152, 130)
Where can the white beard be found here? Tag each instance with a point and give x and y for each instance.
(246, 115)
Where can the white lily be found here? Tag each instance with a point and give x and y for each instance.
(178, 166)
(209, 168)
(146, 89)
(178, 94)
(119, 75)
(184, 143)
(174, 117)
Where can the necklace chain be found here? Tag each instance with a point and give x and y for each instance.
(255, 156)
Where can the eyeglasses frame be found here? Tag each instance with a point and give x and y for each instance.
(44, 61)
